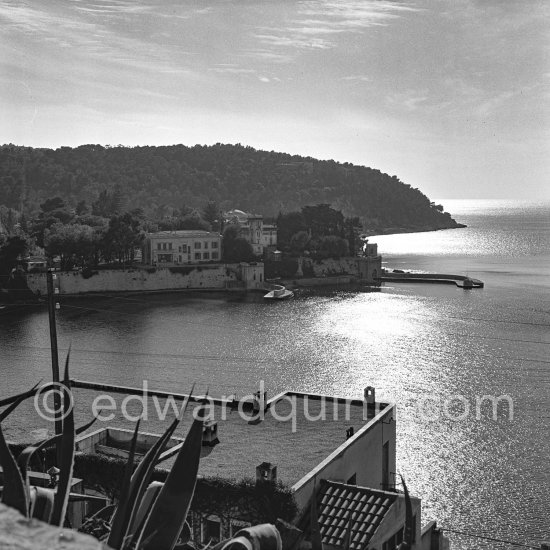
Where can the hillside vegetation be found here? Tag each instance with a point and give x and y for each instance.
(161, 179)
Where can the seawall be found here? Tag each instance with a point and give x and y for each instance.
(208, 277)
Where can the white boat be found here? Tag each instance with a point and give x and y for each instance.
(279, 293)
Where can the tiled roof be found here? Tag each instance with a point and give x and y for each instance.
(338, 503)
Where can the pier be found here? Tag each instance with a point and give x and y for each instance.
(460, 281)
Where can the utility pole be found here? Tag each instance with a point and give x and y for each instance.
(55, 360)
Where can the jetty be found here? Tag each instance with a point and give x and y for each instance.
(462, 281)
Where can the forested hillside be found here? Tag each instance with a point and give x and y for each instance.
(161, 179)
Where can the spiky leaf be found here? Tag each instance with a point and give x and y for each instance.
(409, 526)
(142, 476)
(24, 458)
(14, 493)
(118, 526)
(170, 510)
(18, 398)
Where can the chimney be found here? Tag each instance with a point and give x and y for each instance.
(369, 402)
(266, 472)
(210, 433)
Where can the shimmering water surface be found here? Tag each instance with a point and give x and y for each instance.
(410, 341)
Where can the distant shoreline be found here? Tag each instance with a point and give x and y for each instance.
(402, 230)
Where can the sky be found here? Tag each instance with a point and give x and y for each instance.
(449, 95)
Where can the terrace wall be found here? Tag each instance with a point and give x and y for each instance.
(136, 280)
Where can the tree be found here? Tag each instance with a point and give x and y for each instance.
(323, 220)
(122, 237)
(353, 227)
(287, 226)
(331, 246)
(211, 213)
(192, 221)
(8, 218)
(81, 208)
(54, 203)
(11, 252)
(235, 248)
(299, 242)
(108, 204)
(76, 244)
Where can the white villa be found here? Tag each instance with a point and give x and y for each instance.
(252, 228)
(182, 247)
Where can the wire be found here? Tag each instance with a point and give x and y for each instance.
(512, 543)
(144, 354)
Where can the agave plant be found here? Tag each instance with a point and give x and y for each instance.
(148, 516)
(39, 502)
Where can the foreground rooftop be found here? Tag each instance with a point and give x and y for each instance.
(294, 443)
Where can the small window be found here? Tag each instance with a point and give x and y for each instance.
(211, 529)
(163, 246)
(169, 246)
(260, 277)
(197, 245)
(205, 244)
(184, 248)
(158, 246)
(214, 255)
(197, 255)
(395, 540)
(206, 256)
(179, 248)
(214, 244)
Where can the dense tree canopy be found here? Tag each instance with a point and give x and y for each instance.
(235, 248)
(161, 179)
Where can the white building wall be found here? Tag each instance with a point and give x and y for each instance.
(360, 455)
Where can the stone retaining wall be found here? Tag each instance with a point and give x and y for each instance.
(136, 280)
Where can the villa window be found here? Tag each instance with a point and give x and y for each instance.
(197, 255)
(214, 244)
(163, 246)
(211, 529)
(206, 256)
(169, 246)
(205, 244)
(159, 246)
(214, 255)
(197, 245)
(394, 541)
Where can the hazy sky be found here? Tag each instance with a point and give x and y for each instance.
(449, 95)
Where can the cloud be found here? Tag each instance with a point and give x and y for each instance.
(296, 41)
(230, 68)
(313, 24)
(356, 78)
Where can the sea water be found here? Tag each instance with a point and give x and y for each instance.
(434, 350)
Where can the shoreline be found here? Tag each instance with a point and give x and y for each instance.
(403, 230)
